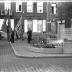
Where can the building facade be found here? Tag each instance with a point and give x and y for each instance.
(53, 17)
(33, 13)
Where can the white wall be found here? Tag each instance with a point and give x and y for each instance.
(25, 25)
(12, 24)
(44, 25)
(35, 23)
(1, 23)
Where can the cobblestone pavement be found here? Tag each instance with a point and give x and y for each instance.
(30, 68)
(10, 63)
(5, 49)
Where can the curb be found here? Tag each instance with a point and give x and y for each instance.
(42, 55)
(13, 49)
(46, 51)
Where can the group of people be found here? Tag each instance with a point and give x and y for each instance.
(10, 35)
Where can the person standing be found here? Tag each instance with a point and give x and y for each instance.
(29, 35)
(12, 36)
(8, 37)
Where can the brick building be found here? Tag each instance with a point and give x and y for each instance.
(40, 16)
(33, 13)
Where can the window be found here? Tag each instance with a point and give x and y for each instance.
(28, 24)
(12, 23)
(53, 6)
(25, 25)
(39, 25)
(29, 6)
(1, 23)
(44, 25)
(40, 7)
(18, 6)
(7, 5)
(34, 25)
(53, 27)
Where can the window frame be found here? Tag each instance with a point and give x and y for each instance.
(29, 24)
(7, 5)
(29, 5)
(39, 25)
(17, 6)
(39, 6)
(54, 6)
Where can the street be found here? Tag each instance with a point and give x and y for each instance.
(10, 62)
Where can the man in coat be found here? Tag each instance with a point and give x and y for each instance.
(29, 35)
(12, 37)
(8, 37)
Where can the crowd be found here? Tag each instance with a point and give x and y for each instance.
(11, 35)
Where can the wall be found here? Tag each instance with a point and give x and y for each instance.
(68, 33)
(1, 6)
(27, 15)
(64, 11)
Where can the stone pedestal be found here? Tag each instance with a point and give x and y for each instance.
(61, 31)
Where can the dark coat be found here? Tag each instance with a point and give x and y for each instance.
(12, 36)
(29, 34)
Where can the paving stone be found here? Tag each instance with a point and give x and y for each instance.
(17, 67)
(10, 68)
(2, 68)
(5, 49)
(26, 68)
(13, 68)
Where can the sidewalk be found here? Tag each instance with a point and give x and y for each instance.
(22, 49)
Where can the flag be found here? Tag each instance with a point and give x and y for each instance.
(19, 28)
